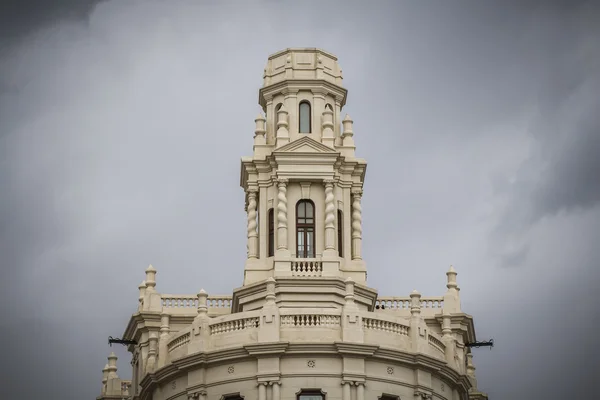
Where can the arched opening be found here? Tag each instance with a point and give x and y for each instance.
(340, 233)
(304, 119)
(305, 229)
(271, 238)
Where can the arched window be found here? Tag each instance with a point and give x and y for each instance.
(305, 229)
(340, 234)
(271, 239)
(310, 394)
(328, 107)
(304, 120)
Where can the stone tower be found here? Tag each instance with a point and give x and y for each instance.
(303, 183)
(304, 325)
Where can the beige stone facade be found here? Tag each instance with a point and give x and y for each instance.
(305, 324)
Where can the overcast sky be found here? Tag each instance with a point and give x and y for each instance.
(122, 125)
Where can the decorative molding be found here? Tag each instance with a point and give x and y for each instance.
(305, 189)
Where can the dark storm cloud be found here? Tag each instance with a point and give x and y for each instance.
(479, 121)
(22, 17)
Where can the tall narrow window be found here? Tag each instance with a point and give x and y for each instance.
(304, 119)
(340, 234)
(305, 229)
(271, 240)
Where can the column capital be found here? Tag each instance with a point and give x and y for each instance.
(329, 182)
(282, 181)
(356, 192)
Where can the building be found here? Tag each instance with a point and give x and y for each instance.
(305, 324)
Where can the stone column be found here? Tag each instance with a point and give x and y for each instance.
(276, 392)
(346, 391)
(329, 216)
(448, 339)
(152, 352)
(252, 232)
(262, 391)
(162, 341)
(356, 225)
(290, 99)
(360, 391)
(282, 220)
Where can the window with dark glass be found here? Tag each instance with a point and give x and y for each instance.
(305, 229)
(304, 119)
(311, 394)
(386, 396)
(233, 396)
(271, 239)
(340, 234)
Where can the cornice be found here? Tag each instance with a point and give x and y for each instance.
(295, 84)
(311, 348)
(266, 349)
(356, 349)
(140, 320)
(344, 349)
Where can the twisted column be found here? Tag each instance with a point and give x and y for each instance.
(329, 215)
(356, 225)
(252, 233)
(282, 221)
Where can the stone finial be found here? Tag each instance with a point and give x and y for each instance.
(150, 278)
(415, 302)
(142, 290)
(350, 287)
(260, 130)
(270, 297)
(282, 136)
(328, 136)
(347, 124)
(112, 366)
(104, 378)
(451, 276)
(202, 300)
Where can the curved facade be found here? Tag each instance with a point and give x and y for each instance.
(305, 324)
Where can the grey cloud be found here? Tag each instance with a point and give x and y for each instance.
(469, 114)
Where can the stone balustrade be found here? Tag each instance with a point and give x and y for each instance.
(305, 325)
(187, 304)
(401, 305)
(306, 267)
